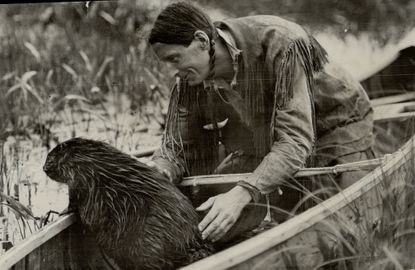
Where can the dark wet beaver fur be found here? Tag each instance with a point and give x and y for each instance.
(139, 218)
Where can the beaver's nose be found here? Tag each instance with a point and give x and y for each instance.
(47, 168)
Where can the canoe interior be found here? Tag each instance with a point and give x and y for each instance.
(335, 228)
(394, 78)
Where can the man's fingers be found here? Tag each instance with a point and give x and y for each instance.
(168, 174)
(216, 229)
(162, 170)
(206, 205)
(222, 229)
(213, 227)
(151, 163)
(207, 221)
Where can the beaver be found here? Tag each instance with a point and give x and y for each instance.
(138, 217)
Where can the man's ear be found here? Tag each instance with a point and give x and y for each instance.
(203, 38)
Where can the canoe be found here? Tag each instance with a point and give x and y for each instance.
(396, 78)
(329, 231)
(301, 242)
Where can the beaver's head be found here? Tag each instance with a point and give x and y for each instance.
(86, 160)
(74, 158)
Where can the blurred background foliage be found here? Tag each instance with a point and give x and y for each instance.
(385, 20)
(59, 55)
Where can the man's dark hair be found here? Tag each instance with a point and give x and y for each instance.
(177, 23)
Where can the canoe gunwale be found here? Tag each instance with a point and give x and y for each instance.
(20, 251)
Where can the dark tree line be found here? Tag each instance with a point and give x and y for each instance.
(384, 19)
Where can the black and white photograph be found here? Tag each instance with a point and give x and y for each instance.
(207, 135)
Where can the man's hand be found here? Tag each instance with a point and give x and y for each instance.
(172, 175)
(225, 210)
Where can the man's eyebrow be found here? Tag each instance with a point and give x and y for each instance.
(170, 56)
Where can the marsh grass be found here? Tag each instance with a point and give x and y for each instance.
(65, 72)
(376, 232)
(18, 220)
(58, 65)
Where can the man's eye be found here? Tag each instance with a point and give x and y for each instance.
(173, 59)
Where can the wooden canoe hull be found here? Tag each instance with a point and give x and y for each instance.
(315, 236)
(61, 245)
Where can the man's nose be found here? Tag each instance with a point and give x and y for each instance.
(173, 72)
(177, 73)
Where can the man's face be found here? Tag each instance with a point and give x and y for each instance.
(191, 63)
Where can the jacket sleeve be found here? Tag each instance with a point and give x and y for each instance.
(292, 141)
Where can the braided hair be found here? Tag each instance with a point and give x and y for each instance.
(178, 22)
(212, 58)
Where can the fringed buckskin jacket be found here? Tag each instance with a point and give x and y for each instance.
(286, 105)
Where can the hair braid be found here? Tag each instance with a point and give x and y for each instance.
(212, 59)
(210, 99)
